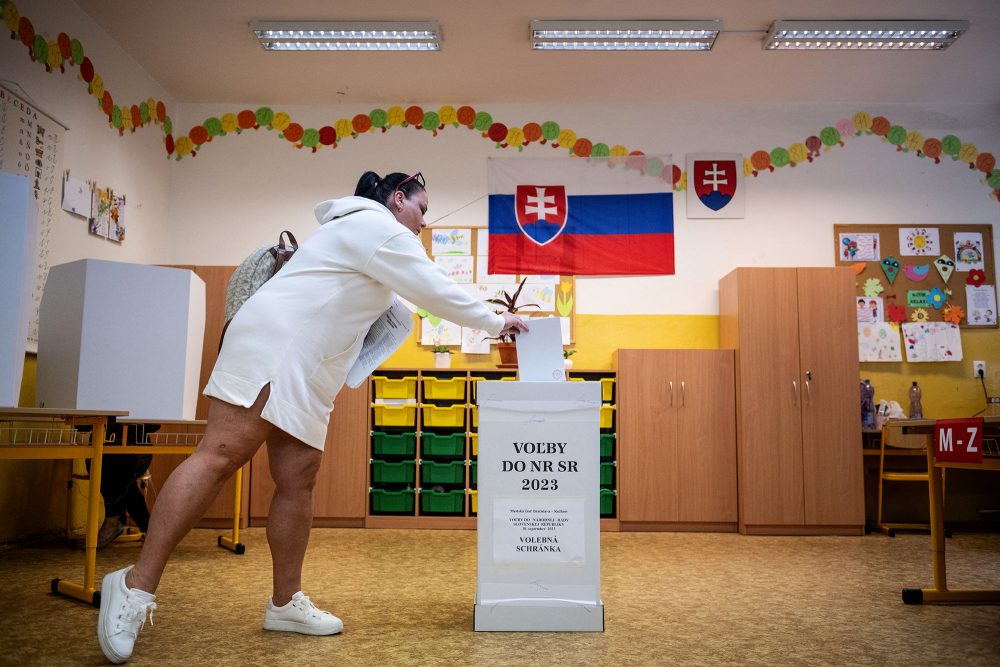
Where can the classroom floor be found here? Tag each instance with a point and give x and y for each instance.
(406, 598)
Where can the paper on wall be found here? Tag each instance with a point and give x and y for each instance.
(968, 251)
(919, 241)
(859, 248)
(482, 275)
(76, 197)
(384, 337)
(870, 309)
(932, 341)
(475, 341)
(483, 241)
(458, 267)
(878, 341)
(435, 331)
(981, 305)
(451, 241)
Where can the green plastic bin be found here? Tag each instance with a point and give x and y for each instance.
(432, 472)
(393, 502)
(442, 502)
(436, 444)
(403, 472)
(608, 473)
(607, 445)
(473, 476)
(607, 502)
(394, 444)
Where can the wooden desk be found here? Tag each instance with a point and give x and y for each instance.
(51, 433)
(178, 436)
(991, 461)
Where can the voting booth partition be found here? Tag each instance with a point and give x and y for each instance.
(18, 240)
(539, 507)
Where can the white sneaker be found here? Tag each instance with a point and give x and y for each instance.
(301, 615)
(123, 614)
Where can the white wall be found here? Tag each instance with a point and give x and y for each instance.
(241, 190)
(135, 165)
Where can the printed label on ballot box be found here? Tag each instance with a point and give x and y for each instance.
(958, 440)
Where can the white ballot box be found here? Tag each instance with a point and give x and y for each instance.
(117, 336)
(539, 507)
(18, 259)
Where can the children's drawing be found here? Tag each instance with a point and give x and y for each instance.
(475, 341)
(542, 280)
(442, 332)
(919, 241)
(932, 341)
(968, 251)
(982, 304)
(879, 341)
(859, 247)
(483, 242)
(870, 309)
(543, 295)
(458, 267)
(482, 265)
(451, 241)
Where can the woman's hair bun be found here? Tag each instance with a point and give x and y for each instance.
(367, 184)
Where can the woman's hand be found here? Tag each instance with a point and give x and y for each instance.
(512, 324)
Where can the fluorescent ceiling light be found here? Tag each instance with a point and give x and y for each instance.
(348, 35)
(624, 35)
(864, 35)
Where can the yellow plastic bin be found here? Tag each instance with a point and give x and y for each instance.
(474, 443)
(607, 415)
(475, 416)
(444, 388)
(451, 416)
(475, 500)
(607, 389)
(395, 415)
(404, 387)
(472, 382)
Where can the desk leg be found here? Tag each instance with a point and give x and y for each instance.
(233, 543)
(86, 592)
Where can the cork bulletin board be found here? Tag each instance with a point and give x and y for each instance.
(916, 272)
(462, 251)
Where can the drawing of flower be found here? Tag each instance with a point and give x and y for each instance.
(953, 313)
(919, 315)
(936, 298)
(976, 277)
(896, 313)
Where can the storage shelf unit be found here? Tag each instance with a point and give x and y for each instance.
(424, 447)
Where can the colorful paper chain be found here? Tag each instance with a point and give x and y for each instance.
(55, 54)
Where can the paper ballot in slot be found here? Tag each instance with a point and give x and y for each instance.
(539, 351)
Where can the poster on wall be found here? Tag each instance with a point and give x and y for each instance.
(932, 341)
(31, 144)
(919, 241)
(879, 341)
(715, 185)
(969, 251)
(859, 248)
(982, 305)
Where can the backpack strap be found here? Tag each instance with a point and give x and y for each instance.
(281, 252)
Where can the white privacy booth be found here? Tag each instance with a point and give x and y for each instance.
(121, 336)
(539, 564)
(18, 260)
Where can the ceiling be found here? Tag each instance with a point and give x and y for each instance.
(204, 52)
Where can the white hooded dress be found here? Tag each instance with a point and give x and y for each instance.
(303, 329)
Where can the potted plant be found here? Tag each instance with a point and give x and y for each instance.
(505, 342)
(566, 357)
(442, 356)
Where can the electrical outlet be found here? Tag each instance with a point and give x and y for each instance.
(979, 369)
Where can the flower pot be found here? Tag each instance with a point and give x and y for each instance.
(568, 363)
(442, 360)
(508, 355)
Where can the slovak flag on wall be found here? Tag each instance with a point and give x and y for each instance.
(576, 216)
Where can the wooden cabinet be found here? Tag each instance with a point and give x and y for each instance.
(341, 490)
(676, 439)
(798, 429)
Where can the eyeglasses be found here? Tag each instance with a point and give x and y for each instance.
(418, 177)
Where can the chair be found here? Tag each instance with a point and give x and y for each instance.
(895, 443)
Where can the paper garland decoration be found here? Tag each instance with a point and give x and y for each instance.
(66, 51)
(890, 267)
(945, 267)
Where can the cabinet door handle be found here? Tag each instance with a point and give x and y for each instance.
(809, 396)
(795, 392)
(682, 393)
(670, 386)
